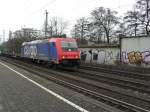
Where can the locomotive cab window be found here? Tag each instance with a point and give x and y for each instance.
(69, 46)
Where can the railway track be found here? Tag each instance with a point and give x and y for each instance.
(133, 84)
(124, 73)
(89, 87)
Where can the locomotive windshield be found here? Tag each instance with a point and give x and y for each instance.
(69, 46)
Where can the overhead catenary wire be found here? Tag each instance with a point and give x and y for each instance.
(39, 10)
(43, 7)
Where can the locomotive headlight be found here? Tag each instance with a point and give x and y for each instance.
(63, 57)
(76, 57)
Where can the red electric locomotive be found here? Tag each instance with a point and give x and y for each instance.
(55, 51)
(66, 51)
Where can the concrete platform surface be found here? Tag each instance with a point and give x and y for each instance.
(18, 94)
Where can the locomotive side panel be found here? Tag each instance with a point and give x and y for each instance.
(25, 51)
(29, 51)
(53, 52)
(43, 51)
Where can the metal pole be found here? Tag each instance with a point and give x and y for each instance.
(3, 36)
(46, 23)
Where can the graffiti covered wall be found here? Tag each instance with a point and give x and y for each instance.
(100, 55)
(135, 51)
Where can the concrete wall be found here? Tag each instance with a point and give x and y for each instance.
(136, 51)
(105, 55)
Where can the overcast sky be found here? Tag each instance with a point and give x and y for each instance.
(31, 13)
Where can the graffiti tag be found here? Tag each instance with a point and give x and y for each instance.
(30, 51)
(135, 57)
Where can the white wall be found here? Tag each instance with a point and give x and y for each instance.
(136, 50)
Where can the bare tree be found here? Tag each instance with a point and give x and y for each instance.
(96, 33)
(74, 32)
(57, 26)
(143, 6)
(105, 19)
(81, 29)
(132, 22)
(122, 29)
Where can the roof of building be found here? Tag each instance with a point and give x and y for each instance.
(100, 46)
